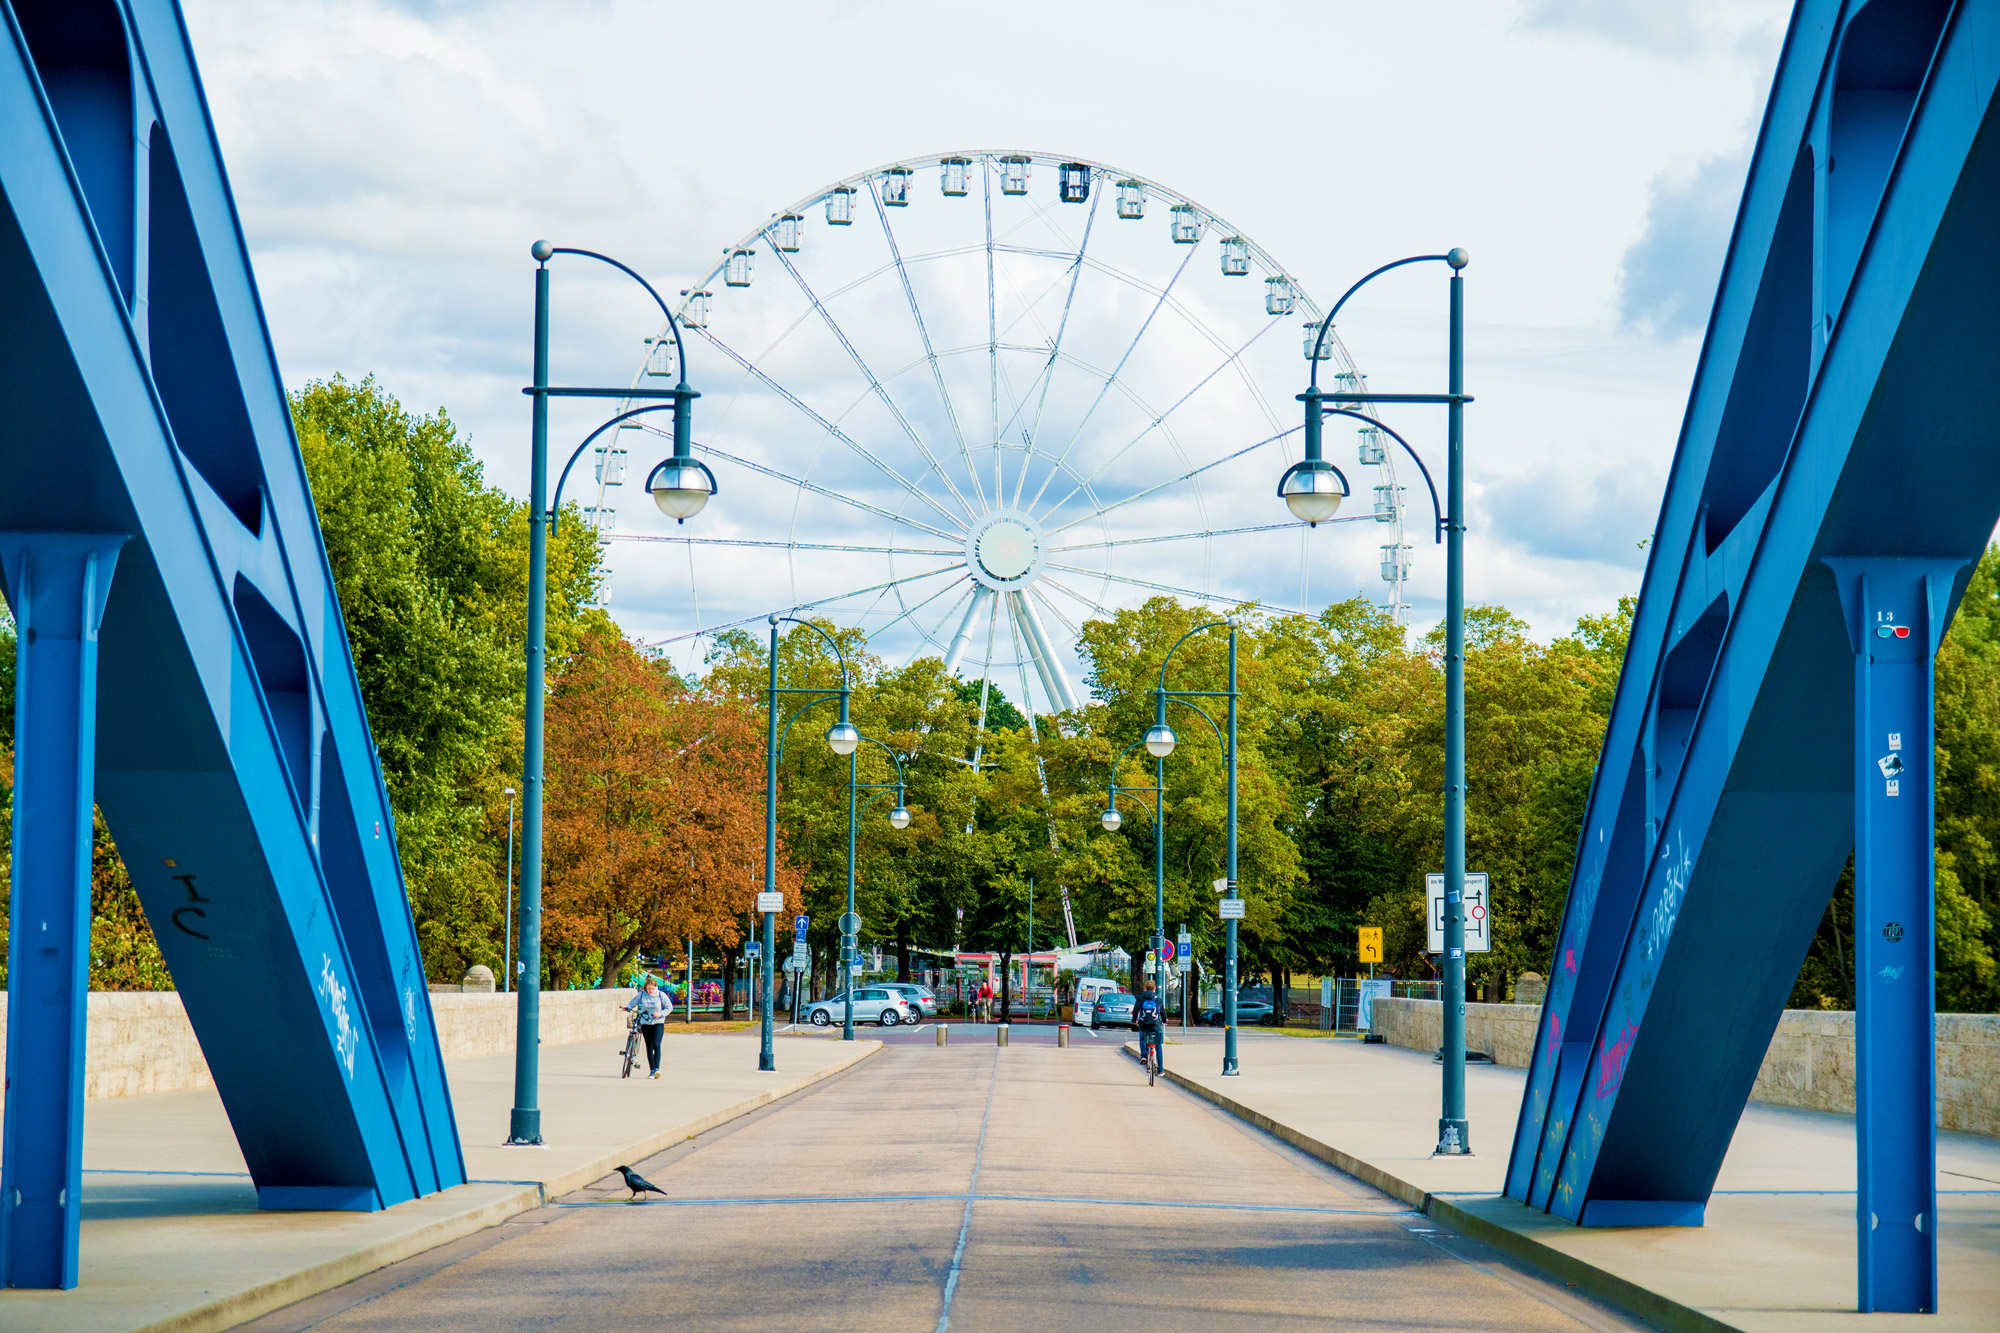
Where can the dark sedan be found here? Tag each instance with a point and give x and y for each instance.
(1248, 1010)
(1113, 1010)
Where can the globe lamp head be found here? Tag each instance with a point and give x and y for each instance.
(899, 817)
(680, 487)
(1160, 740)
(1313, 494)
(1111, 819)
(843, 737)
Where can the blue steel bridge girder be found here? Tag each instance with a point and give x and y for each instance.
(231, 758)
(1840, 420)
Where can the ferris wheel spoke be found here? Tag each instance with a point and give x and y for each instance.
(777, 545)
(1173, 481)
(1048, 375)
(923, 332)
(1112, 379)
(1103, 612)
(909, 612)
(992, 328)
(1068, 625)
(875, 385)
(929, 640)
(817, 489)
(1234, 358)
(1162, 587)
(1193, 536)
(805, 606)
(830, 428)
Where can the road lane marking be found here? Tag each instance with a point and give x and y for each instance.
(971, 1193)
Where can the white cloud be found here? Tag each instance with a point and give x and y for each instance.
(392, 163)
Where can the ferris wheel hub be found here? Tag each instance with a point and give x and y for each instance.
(1005, 549)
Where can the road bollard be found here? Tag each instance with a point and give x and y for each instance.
(1062, 1035)
(1000, 1035)
(944, 1035)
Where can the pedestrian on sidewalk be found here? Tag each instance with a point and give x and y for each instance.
(652, 1006)
(985, 1002)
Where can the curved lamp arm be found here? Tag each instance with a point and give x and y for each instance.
(902, 779)
(1202, 713)
(555, 504)
(845, 684)
(1455, 258)
(1437, 510)
(785, 735)
(1191, 633)
(543, 251)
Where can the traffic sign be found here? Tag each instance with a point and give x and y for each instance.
(1167, 950)
(1478, 913)
(850, 923)
(799, 924)
(1231, 909)
(753, 949)
(801, 955)
(770, 902)
(1371, 944)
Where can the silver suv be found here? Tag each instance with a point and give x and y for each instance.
(871, 1003)
(921, 998)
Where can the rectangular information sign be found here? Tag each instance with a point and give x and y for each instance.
(1478, 913)
(770, 902)
(1231, 909)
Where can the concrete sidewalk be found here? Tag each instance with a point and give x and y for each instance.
(172, 1238)
(1776, 1255)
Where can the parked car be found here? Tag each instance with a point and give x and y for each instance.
(871, 1004)
(922, 998)
(1249, 1009)
(1088, 991)
(1113, 1010)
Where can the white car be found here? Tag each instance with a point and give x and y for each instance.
(871, 1003)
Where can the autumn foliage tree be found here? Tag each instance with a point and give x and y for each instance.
(654, 815)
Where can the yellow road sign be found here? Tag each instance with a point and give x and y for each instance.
(1371, 944)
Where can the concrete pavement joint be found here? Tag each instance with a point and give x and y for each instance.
(971, 1192)
(979, 1198)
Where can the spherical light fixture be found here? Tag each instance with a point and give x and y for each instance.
(1160, 740)
(843, 737)
(681, 487)
(1111, 819)
(899, 817)
(1313, 491)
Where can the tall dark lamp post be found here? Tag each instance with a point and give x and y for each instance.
(1308, 490)
(850, 924)
(1160, 741)
(680, 486)
(841, 738)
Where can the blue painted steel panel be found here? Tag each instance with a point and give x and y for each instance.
(233, 761)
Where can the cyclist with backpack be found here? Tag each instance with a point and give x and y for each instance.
(1150, 1017)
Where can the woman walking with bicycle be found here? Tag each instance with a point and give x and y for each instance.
(649, 1009)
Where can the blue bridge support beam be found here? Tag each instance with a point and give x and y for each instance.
(1896, 614)
(57, 584)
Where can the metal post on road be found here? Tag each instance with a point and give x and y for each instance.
(681, 487)
(1310, 491)
(899, 817)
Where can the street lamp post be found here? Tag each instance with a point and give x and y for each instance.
(850, 924)
(1308, 498)
(1185, 698)
(680, 486)
(841, 738)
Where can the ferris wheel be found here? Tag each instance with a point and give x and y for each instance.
(969, 402)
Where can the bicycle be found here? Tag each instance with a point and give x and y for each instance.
(631, 1045)
(1149, 1055)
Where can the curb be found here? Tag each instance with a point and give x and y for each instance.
(1608, 1287)
(254, 1302)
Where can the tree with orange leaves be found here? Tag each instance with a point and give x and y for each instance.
(654, 815)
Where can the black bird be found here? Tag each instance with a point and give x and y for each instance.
(638, 1184)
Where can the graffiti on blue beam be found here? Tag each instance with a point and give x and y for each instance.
(227, 746)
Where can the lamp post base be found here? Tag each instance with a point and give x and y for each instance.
(524, 1127)
(766, 1064)
(1454, 1139)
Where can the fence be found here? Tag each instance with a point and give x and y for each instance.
(1305, 1006)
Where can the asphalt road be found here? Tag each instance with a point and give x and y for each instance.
(968, 1188)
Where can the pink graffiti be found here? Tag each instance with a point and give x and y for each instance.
(1555, 1034)
(1611, 1061)
(1569, 961)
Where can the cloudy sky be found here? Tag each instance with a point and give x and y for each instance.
(392, 162)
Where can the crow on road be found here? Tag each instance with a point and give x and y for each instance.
(638, 1184)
